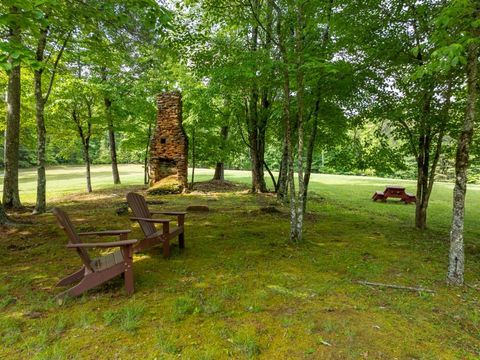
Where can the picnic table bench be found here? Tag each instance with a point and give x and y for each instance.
(394, 191)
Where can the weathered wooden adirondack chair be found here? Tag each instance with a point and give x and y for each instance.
(97, 271)
(147, 223)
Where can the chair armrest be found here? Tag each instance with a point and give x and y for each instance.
(105, 233)
(168, 212)
(103, 245)
(151, 220)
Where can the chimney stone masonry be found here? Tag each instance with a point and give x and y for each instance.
(168, 165)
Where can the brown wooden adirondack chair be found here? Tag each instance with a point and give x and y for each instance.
(147, 223)
(97, 271)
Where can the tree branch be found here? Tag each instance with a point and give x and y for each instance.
(55, 66)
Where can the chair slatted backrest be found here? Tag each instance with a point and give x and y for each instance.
(140, 210)
(66, 224)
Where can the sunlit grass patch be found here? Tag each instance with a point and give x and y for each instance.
(126, 318)
(239, 290)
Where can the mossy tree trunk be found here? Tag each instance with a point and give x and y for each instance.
(11, 197)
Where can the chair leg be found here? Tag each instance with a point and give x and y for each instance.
(70, 279)
(181, 240)
(128, 273)
(166, 247)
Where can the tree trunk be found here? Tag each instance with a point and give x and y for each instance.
(310, 148)
(423, 161)
(3, 215)
(11, 197)
(219, 172)
(41, 203)
(426, 173)
(111, 140)
(220, 167)
(192, 182)
(423, 166)
(256, 132)
(40, 101)
(85, 138)
(288, 128)
(283, 173)
(88, 177)
(457, 255)
(147, 150)
(300, 123)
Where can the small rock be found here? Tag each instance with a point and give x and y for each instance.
(33, 314)
(122, 210)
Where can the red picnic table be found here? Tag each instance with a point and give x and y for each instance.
(394, 191)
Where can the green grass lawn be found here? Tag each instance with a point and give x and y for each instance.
(239, 290)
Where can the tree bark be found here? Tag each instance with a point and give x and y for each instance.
(316, 113)
(88, 176)
(300, 122)
(288, 127)
(423, 160)
(41, 203)
(282, 190)
(147, 150)
(256, 120)
(192, 182)
(11, 197)
(40, 101)
(85, 138)
(220, 167)
(310, 148)
(3, 215)
(111, 140)
(457, 254)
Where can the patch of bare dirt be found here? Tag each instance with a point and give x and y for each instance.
(218, 186)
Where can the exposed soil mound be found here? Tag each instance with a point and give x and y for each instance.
(218, 186)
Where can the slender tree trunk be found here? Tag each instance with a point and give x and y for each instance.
(11, 197)
(288, 128)
(283, 173)
(300, 121)
(316, 114)
(111, 140)
(422, 181)
(256, 135)
(192, 182)
(85, 138)
(457, 254)
(41, 203)
(310, 148)
(40, 101)
(423, 161)
(88, 176)
(147, 150)
(220, 167)
(426, 168)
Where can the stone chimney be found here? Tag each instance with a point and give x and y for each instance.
(168, 165)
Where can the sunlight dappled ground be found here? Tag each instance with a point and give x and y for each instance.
(239, 290)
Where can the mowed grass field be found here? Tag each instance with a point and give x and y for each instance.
(239, 290)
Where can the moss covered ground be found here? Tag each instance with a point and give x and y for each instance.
(239, 290)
